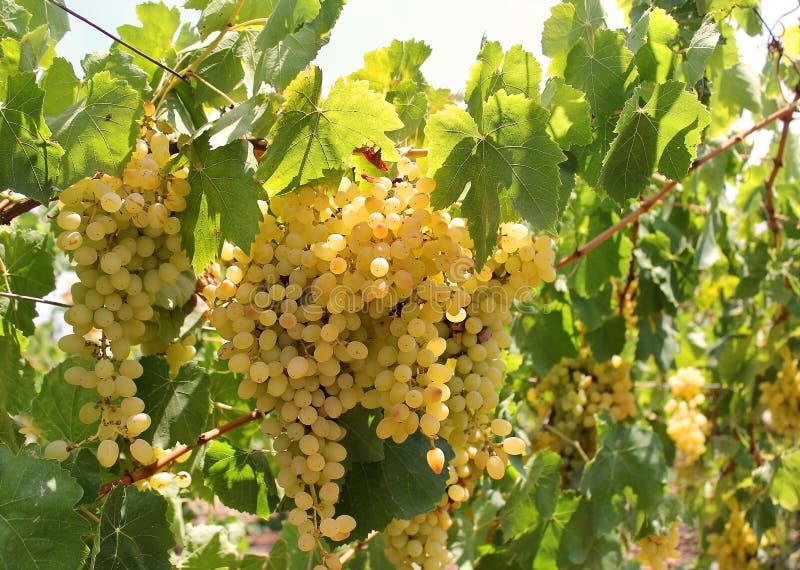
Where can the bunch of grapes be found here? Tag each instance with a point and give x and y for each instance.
(657, 548)
(686, 424)
(736, 547)
(363, 295)
(123, 236)
(781, 398)
(570, 396)
(420, 542)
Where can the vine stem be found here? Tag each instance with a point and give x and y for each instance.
(19, 297)
(168, 459)
(10, 210)
(573, 442)
(345, 556)
(117, 39)
(769, 185)
(671, 184)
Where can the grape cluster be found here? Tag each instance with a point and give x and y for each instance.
(420, 542)
(655, 549)
(123, 235)
(781, 398)
(686, 424)
(145, 453)
(569, 397)
(736, 547)
(363, 295)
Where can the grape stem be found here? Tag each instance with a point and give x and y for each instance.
(120, 41)
(202, 439)
(769, 185)
(573, 442)
(780, 114)
(10, 210)
(345, 556)
(34, 299)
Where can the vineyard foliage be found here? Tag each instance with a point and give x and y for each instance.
(548, 321)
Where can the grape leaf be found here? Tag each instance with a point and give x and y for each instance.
(516, 71)
(533, 498)
(120, 65)
(14, 19)
(361, 441)
(400, 486)
(547, 337)
(179, 407)
(570, 116)
(43, 12)
(284, 554)
(291, 39)
(238, 122)
(737, 88)
(610, 260)
(28, 157)
(99, 130)
(241, 479)
(27, 257)
(17, 387)
(411, 103)
(222, 69)
(785, 486)
(134, 531)
(601, 69)
(386, 68)
(568, 23)
(700, 47)
(209, 556)
(313, 137)
(585, 546)
(223, 204)
(650, 40)
(60, 87)
(83, 466)
(509, 151)
(659, 128)
(57, 405)
(159, 24)
(38, 526)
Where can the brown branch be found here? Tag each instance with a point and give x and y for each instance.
(670, 185)
(769, 185)
(631, 267)
(18, 297)
(9, 212)
(345, 556)
(165, 461)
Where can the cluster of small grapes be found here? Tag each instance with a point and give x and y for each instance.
(736, 548)
(365, 296)
(569, 397)
(123, 235)
(162, 481)
(686, 424)
(420, 542)
(657, 548)
(781, 398)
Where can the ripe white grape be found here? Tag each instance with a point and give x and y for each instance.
(56, 450)
(107, 452)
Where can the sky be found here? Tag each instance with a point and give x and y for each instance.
(453, 29)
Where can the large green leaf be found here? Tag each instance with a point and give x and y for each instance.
(154, 36)
(38, 526)
(510, 151)
(120, 65)
(586, 546)
(651, 39)
(659, 129)
(241, 479)
(179, 407)
(134, 532)
(14, 19)
(28, 158)
(601, 68)
(223, 204)
(700, 47)
(17, 387)
(785, 486)
(400, 486)
(547, 337)
(57, 405)
(570, 121)
(60, 87)
(388, 67)
(284, 554)
(238, 122)
(44, 12)
(361, 441)
(291, 39)
(533, 499)
(27, 258)
(99, 130)
(568, 23)
(516, 71)
(313, 137)
(83, 466)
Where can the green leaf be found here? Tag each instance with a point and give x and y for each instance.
(17, 387)
(533, 498)
(222, 69)
(27, 258)
(238, 122)
(700, 47)
(38, 526)
(659, 129)
(14, 19)
(216, 15)
(608, 339)
(515, 72)
(134, 531)
(60, 87)
(509, 151)
(568, 23)
(399, 62)
(284, 554)
(400, 486)
(657, 337)
(43, 12)
(83, 466)
(223, 204)
(28, 158)
(154, 36)
(785, 486)
(179, 407)
(241, 479)
(570, 115)
(361, 442)
(411, 103)
(37, 49)
(601, 69)
(313, 137)
(585, 547)
(57, 405)
(98, 132)
(737, 88)
(609, 260)
(291, 39)
(548, 337)
(120, 65)
(630, 456)
(653, 34)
